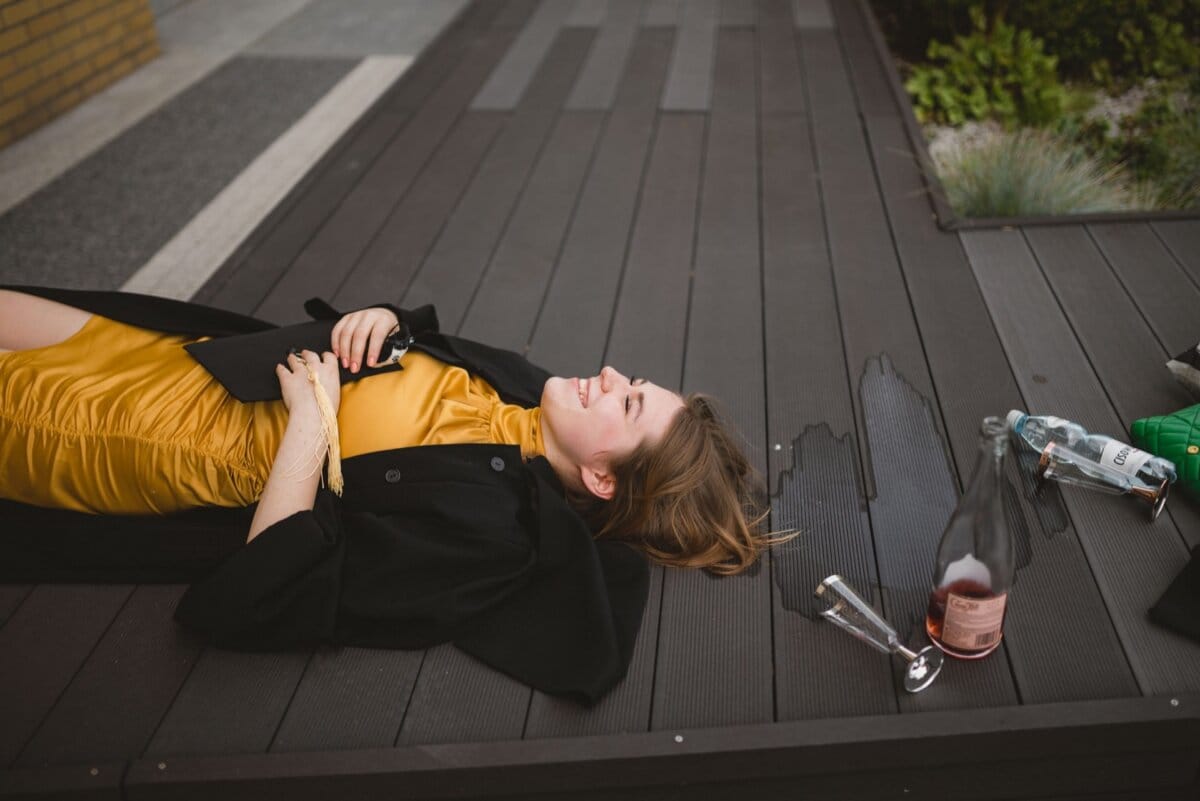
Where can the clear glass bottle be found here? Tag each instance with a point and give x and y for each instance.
(975, 562)
(1071, 455)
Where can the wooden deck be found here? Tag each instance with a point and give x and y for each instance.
(720, 196)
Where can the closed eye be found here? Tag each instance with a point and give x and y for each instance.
(633, 381)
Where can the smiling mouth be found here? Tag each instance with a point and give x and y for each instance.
(582, 389)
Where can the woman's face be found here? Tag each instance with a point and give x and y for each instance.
(595, 421)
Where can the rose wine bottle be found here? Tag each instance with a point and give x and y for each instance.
(975, 562)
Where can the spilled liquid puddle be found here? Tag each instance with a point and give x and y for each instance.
(822, 495)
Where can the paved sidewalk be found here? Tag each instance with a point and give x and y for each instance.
(151, 184)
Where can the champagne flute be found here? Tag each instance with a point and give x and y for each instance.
(851, 612)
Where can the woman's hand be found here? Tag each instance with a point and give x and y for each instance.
(294, 384)
(360, 334)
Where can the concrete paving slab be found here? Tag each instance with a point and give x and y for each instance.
(508, 81)
(597, 83)
(194, 254)
(812, 13)
(195, 37)
(345, 28)
(99, 222)
(689, 83)
(587, 14)
(662, 13)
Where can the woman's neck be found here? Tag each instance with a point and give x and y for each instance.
(564, 468)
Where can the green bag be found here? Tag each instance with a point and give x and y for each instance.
(1175, 437)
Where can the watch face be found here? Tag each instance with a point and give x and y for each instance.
(395, 346)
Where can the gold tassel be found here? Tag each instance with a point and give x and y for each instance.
(329, 427)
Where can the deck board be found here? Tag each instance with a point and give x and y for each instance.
(396, 251)
(11, 598)
(506, 303)
(113, 705)
(42, 646)
(458, 699)
(231, 703)
(1182, 237)
(650, 321)
(349, 698)
(1149, 273)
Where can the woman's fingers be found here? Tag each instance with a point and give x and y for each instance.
(346, 341)
(358, 349)
(358, 337)
(379, 332)
(335, 335)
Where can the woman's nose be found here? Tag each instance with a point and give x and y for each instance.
(609, 377)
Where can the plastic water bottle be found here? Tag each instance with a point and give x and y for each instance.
(1071, 455)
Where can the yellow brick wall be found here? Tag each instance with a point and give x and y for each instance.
(55, 53)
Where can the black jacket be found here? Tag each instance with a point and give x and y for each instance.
(462, 543)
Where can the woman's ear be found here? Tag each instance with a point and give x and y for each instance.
(599, 482)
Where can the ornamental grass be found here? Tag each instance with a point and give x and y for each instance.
(1031, 172)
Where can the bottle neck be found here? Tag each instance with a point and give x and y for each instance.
(989, 461)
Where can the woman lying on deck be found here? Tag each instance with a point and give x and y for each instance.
(485, 502)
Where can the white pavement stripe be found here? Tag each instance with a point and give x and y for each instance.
(195, 40)
(185, 263)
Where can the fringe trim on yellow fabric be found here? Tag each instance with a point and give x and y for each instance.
(329, 427)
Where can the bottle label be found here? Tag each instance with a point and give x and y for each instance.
(1125, 459)
(973, 623)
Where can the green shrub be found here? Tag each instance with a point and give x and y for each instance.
(1031, 172)
(1112, 41)
(1116, 41)
(995, 71)
(1158, 145)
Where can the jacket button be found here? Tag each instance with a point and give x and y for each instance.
(497, 464)
(392, 476)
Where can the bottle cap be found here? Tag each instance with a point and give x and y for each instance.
(1013, 418)
(1161, 500)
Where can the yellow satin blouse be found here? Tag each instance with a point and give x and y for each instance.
(121, 420)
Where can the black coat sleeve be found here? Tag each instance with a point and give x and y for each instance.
(571, 629)
(433, 556)
(279, 590)
(422, 318)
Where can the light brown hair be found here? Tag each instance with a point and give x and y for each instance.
(692, 499)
